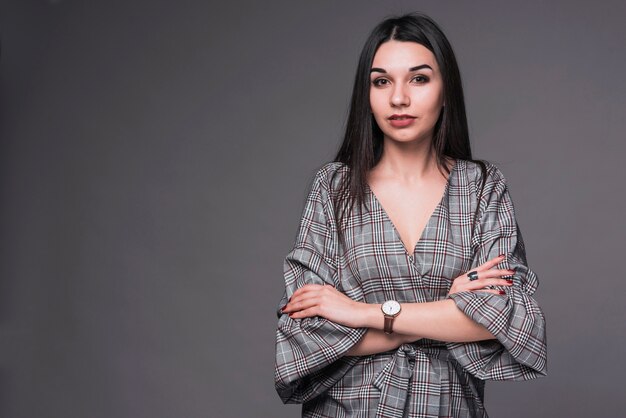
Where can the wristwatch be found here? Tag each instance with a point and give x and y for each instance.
(390, 309)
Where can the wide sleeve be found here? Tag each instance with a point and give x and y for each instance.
(310, 351)
(515, 319)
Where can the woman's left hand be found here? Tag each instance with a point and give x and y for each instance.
(325, 301)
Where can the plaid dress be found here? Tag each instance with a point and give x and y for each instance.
(426, 378)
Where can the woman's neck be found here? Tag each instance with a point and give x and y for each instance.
(410, 163)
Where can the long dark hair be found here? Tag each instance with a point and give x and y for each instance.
(362, 144)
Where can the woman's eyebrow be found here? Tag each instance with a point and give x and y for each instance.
(417, 67)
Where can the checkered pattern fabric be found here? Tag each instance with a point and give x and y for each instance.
(426, 378)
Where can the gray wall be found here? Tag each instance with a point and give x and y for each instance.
(155, 157)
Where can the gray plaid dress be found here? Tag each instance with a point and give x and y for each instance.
(426, 378)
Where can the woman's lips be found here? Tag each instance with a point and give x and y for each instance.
(401, 121)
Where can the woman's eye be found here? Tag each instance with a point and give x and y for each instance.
(379, 82)
(420, 79)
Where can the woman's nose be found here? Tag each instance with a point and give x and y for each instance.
(399, 96)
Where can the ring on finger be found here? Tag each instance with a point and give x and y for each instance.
(472, 275)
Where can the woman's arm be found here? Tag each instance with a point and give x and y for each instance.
(376, 341)
(437, 320)
(441, 320)
(306, 347)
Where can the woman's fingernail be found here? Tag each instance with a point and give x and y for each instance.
(501, 255)
(502, 292)
(510, 281)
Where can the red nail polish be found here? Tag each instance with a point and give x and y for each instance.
(510, 280)
(502, 292)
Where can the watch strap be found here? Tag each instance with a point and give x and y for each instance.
(388, 328)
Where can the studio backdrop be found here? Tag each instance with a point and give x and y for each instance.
(154, 161)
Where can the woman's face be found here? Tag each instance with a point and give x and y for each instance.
(406, 91)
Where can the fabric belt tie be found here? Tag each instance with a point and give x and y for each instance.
(396, 383)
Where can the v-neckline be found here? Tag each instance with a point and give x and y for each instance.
(396, 232)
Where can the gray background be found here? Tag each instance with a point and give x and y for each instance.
(154, 160)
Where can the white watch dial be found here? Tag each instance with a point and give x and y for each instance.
(391, 307)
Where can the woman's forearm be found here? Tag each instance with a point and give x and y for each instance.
(440, 320)
(376, 341)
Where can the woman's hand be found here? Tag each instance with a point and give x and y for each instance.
(325, 301)
(487, 276)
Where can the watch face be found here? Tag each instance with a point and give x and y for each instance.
(391, 307)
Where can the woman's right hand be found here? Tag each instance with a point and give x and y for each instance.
(487, 276)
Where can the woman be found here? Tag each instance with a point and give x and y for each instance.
(408, 285)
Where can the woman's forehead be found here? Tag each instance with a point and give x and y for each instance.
(402, 55)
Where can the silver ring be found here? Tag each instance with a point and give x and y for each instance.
(473, 275)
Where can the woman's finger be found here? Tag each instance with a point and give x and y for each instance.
(307, 288)
(494, 291)
(304, 293)
(494, 273)
(482, 280)
(480, 283)
(299, 305)
(310, 295)
(306, 313)
(485, 274)
(499, 272)
(303, 296)
(491, 263)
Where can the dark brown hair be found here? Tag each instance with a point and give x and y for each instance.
(362, 144)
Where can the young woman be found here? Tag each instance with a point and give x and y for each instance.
(408, 285)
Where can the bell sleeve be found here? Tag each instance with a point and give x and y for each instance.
(519, 351)
(310, 351)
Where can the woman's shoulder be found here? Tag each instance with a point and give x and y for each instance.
(476, 172)
(331, 175)
(332, 168)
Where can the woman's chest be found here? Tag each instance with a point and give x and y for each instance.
(374, 264)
